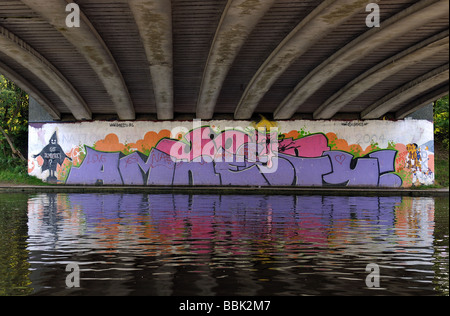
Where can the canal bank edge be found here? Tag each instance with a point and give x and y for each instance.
(226, 190)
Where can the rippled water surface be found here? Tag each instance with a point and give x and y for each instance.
(202, 245)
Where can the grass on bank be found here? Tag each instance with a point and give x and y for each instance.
(14, 172)
(441, 165)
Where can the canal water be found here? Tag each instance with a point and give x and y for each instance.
(229, 245)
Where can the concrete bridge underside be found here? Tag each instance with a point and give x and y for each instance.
(233, 59)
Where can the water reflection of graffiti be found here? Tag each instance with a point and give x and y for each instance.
(170, 213)
(307, 161)
(152, 241)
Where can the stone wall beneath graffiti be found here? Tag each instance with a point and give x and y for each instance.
(234, 153)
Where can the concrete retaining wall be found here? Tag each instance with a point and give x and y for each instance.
(234, 153)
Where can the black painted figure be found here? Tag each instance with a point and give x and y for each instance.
(53, 155)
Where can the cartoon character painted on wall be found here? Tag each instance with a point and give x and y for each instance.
(418, 162)
(53, 155)
(413, 159)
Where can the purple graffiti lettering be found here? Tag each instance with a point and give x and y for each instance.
(195, 173)
(240, 173)
(133, 169)
(364, 173)
(101, 169)
(162, 168)
(296, 166)
(390, 180)
(285, 174)
(310, 171)
(386, 159)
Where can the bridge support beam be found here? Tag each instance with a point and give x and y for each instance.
(236, 24)
(31, 90)
(413, 17)
(382, 71)
(154, 21)
(90, 44)
(406, 92)
(25, 55)
(327, 16)
(423, 101)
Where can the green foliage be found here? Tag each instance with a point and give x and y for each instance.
(441, 125)
(441, 164)
(13, 117)
(14, 129)
(14, 263)
(442, 172)
(12, 164)
(14, 170)
(441, 130)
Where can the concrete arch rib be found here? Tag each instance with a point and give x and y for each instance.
(413, 17)
(154, 21)
(238, 20)
(422, 101)
(407, 92)
(25, 55)
(31, 90)
(327, 16)
(89, 43)
(389, 67)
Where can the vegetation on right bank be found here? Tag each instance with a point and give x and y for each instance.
(441, 142)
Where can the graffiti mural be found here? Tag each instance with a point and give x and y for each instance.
(207, 154)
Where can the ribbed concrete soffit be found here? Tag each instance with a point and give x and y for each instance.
(27, 57)
(406, 21)
(25, 85)
(90, 44)
(407, 58)
(406, 92)
(237, 22)
(214, 59)
(325, 18)
(422, 101)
